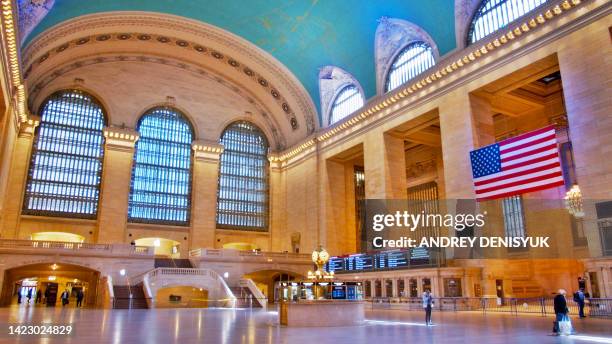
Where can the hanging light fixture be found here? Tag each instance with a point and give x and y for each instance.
(573, 201)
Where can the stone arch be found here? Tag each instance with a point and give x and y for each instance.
(464, 12)
(251, 73)
(332, 80)
(392, 35)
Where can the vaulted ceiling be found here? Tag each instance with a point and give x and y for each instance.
(303, 35)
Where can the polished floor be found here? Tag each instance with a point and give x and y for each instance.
(245, 326)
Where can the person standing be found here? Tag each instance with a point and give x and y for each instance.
(65, 296)
(19, 296)
(38, 296)
(427, 305)
(560, 306)
(29, 295)
(579, 298)
(80, 296)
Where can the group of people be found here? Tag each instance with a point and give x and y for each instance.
(562, 323)
(65, 296)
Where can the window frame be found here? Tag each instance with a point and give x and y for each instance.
(344, 88)
(189, 195)
(266, 170)
(478, 14)
(393, 68)
(25, 210)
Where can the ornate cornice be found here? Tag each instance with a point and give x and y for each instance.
(11, 51)
(28, 128)
(207, 150)
(146, 23)
(200, 69)
(120, 138)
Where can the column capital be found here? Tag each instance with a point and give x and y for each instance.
(27, 128)
(207, 150)
(120, 138)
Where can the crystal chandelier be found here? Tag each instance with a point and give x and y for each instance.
(573, 201)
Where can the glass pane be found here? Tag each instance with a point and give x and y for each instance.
(493, 15)
(66, 166)
(416, 58)
(348, 101)
(242, 200)
(161, 175)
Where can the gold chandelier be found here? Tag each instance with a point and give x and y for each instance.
(573, 201)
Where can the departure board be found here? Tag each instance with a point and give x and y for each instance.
(335, 264)
(419, 255)
(364, 262)
(397, 259)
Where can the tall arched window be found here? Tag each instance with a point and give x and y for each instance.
(493, 15)
(413, 60)
(66, 165)
(242, 200)
(161, 175)
(347, 101)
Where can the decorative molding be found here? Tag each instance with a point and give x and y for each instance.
(147, 22)
(45, 79)
(28, 128)
(392, 35)
(120, 138)
(464, 12)
(420, 168)
(207, 150)
(12, 59)
(332, 80)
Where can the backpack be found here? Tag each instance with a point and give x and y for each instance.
(576, 297)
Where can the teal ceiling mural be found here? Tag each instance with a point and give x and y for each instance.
(302, 34)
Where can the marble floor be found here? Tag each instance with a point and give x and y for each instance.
(258, 326)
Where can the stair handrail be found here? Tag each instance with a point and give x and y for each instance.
(259, 295)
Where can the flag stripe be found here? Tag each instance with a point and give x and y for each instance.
(529, 155)
(549, 181)
(519, 181)
(521, 191)
(526, 136)
(536, 146)
(553, 153)
(524, 171)
(524, 144)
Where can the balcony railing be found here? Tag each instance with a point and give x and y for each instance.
(201, 252)
(39, 245)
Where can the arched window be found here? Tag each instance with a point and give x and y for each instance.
(66, 166)
(493, 15)
(161, 175)
(347, 101)
(413, 60)
(242, 200)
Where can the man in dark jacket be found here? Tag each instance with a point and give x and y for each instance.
(560, 305)
(80, 297)
(580, 298)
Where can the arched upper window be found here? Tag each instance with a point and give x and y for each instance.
(413, 60)
(347, 101)
(161, 174)
(66, 165)
(242, 200)
(493, 15)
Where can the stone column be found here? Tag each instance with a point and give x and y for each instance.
(385, 166)
(383, 287)
(394, 292)
(280, 239)
(115, 189)
(585, 71)
(420, 286)
(406, 286)
(18, 175)
(466, 122)
(204, 193)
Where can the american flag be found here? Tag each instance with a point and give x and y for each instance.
(525, 163)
